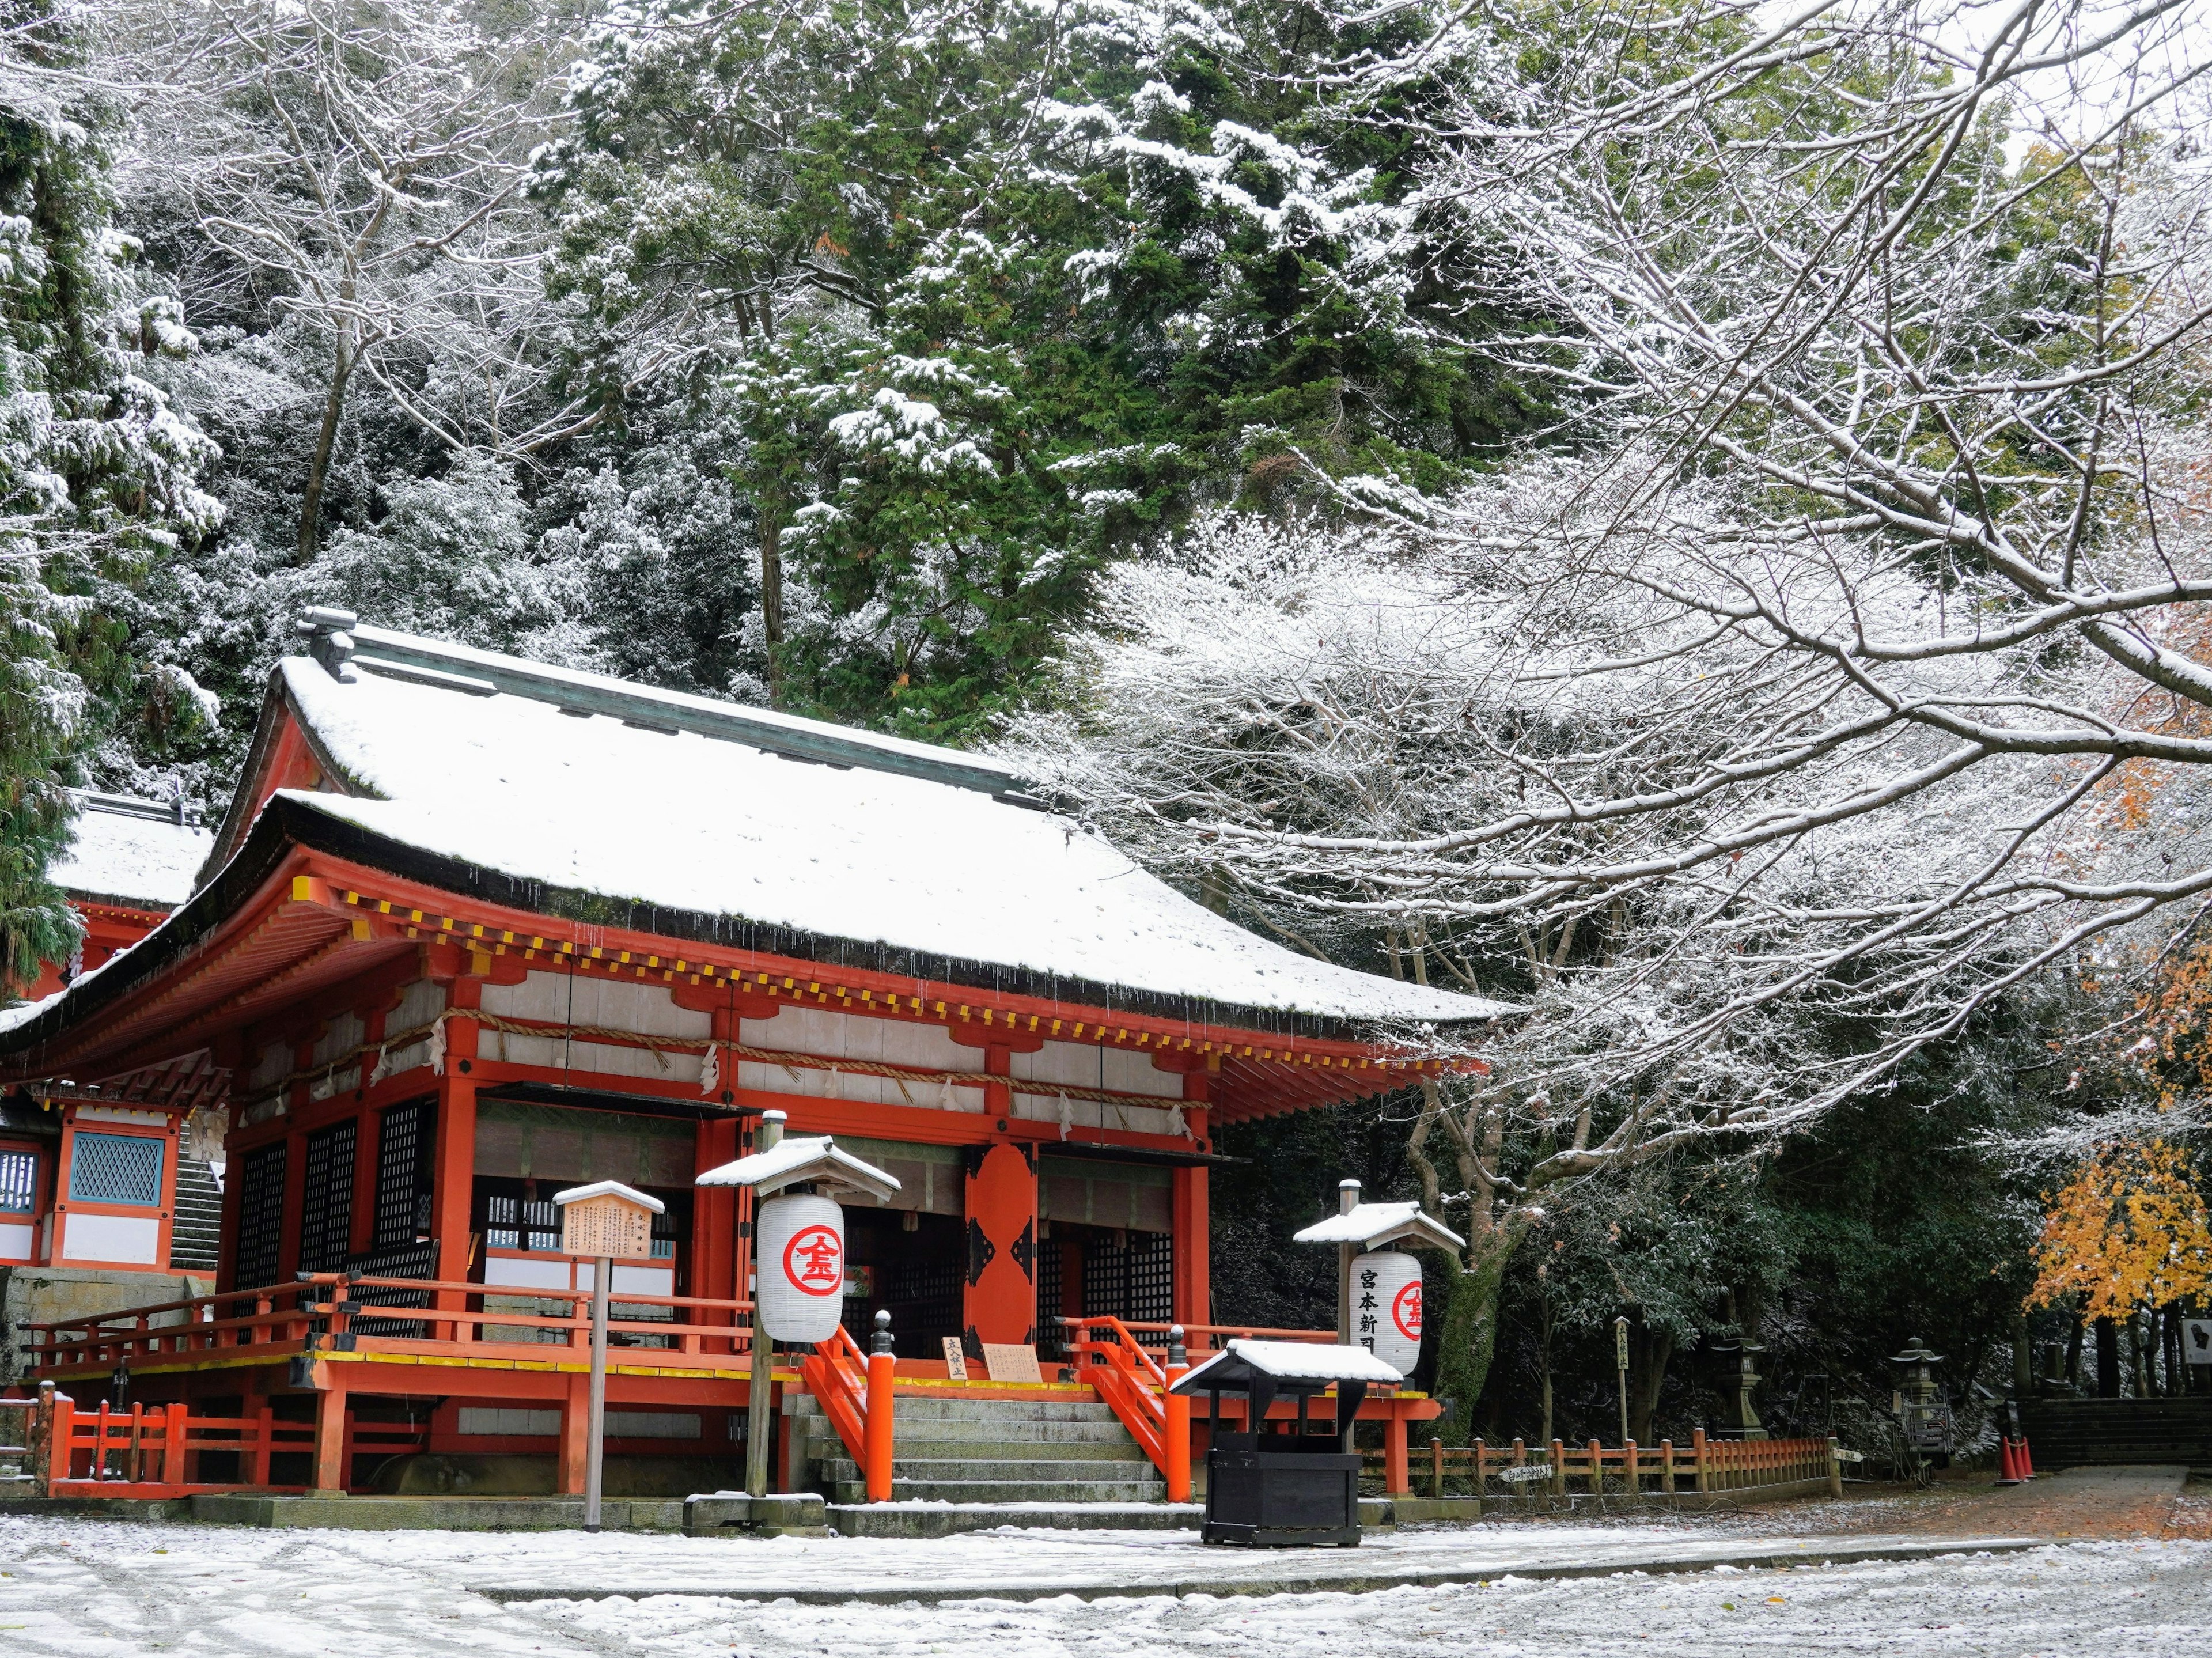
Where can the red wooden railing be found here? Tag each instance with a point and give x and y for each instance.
(1107, 1356)
(146, 1451)
(836, 1373)
(326, 1308)
(1709, 1464)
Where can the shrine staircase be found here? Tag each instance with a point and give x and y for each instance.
(195, 1236)
(1063, 1462)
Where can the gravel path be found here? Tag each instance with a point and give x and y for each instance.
(85, 1586)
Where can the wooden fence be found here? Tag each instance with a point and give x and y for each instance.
(146, 1451)
(1704, 1465)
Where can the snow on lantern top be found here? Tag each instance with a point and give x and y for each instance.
(804, 1160)
(607, 1219)
(1377, 1225)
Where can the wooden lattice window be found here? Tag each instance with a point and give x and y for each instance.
(19, 1181)
(1151, 1277)
(115, 1169)
(403, 1183)
(326, 1200)
(1050, 1338)
(260, 1216)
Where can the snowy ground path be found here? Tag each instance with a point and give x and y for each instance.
(93, 1587)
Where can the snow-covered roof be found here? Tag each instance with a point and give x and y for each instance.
(611, 1188)
(1371, 1225)
(717, 826)
(136, 853)
(1287, 1361)
(805, 1158)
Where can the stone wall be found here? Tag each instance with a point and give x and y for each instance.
(45, 1295)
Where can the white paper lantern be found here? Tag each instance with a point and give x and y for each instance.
(1386, 1307)
(800, 1268)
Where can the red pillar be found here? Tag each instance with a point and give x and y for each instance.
(330, 1472)
(1193, 1221)
(999, 1303)
(713, 1250)
(453, 1182)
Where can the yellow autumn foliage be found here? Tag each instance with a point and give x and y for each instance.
(2129, 1230)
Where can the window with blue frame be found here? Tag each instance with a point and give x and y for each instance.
(115, 1169)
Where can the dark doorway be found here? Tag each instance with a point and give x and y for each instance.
(915, 1275)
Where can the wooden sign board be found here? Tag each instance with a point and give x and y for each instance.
(955, 1362)
(607, 1225)
(1008, 1363)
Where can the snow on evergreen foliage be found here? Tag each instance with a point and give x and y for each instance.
(100, 474)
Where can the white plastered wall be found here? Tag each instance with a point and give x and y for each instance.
(616, 1004)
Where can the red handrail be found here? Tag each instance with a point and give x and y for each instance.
(325, 1303)
(1127, 1378)
(836, 1373)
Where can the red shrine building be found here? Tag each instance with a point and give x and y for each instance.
(66, 1251)
(475, 929)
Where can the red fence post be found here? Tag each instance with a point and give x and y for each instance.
(172, 1444)
(61, 1432)
(1176, 1408)
(1397, 1479)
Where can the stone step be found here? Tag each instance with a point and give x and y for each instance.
(895, 1519)
(1120, 1449)
(1006, 1491)
(989, 1430)
(995, 1468)
(918, 1407)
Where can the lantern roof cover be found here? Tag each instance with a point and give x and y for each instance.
(804, 1159)
(1372, 1225)
(1232, 1369)
(610, 1188)
(580, 783)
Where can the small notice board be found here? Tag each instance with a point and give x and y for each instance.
(608, 1225)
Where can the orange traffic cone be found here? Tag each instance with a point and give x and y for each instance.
(2007, 1469)
(2020, 1460)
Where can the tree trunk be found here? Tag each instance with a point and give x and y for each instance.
(1468, 1340)
(771, 593)
(2072, 1371)
(2108, 1359)
(319, 468)
(1650, 1352)
(2023, 1358)
(1544, 1356)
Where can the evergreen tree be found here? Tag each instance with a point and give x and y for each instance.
(97, 473)
(998, 294)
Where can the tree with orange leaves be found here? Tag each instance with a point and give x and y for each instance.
(2129, 1230)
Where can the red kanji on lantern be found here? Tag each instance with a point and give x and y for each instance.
(1405, 1311)
(814, 1261)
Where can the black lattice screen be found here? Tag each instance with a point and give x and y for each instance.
(1151, 1277)
(260, 1216)
(402, 1175)
(925, 1299)
(326, 1200)
(1134, 1281)
(1050, 1338)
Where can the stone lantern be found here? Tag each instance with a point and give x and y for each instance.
(1739, 1415)
(1923, 1416)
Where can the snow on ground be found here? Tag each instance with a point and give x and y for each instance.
(103, 1589)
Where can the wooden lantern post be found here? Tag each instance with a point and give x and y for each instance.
(604, 1222)
(780, 1166)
